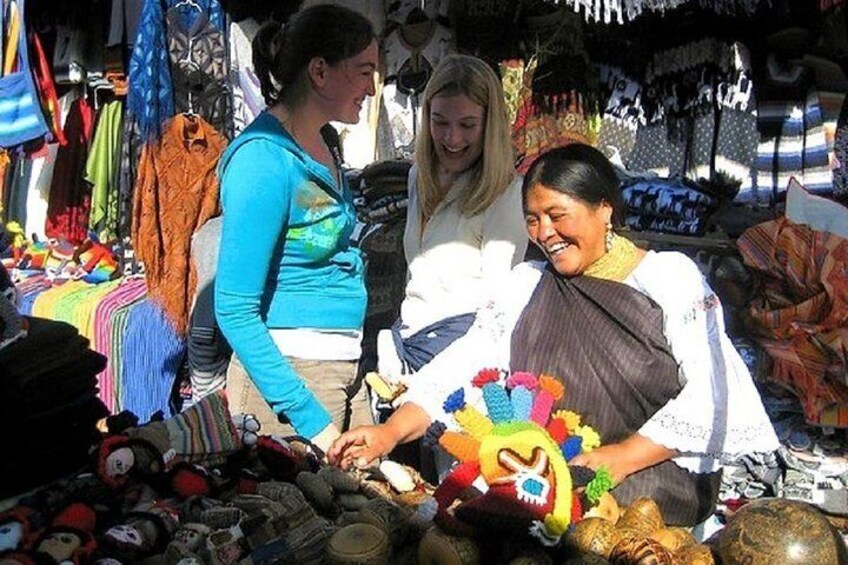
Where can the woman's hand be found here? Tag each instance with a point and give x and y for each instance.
(361, 446)
(613, 457)
(624, 458)
(326, 437)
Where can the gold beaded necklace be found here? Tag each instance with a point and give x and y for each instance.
(617, 263)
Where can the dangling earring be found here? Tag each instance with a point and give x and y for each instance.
(609, 238)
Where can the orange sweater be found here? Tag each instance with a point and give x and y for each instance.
(176, 192)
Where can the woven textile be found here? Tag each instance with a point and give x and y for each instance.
(802, 315)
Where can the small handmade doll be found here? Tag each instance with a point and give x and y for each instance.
(16, 530)
(142, 534)
(204, 434)
(96, 261)
(69, 539)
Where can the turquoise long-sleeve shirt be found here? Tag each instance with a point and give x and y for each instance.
(285, 261)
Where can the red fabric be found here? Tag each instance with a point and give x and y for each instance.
(449, 491)
(576, 508)
(77, 515)
(47, 90)
(69, 202)
(97, 253)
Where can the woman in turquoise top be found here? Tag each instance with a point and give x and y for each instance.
(289, 293)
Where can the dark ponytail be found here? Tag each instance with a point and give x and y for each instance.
(266, 47)
(281, 52)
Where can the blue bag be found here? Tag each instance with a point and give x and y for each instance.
(21, 117)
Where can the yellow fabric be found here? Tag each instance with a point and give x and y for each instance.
(617, 263)
(14, 27)
(473, 421)
(46, 303)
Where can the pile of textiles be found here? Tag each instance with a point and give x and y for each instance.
(380, 191)
(49, 407)
(381, 200)
(675, 205)
(120, 321)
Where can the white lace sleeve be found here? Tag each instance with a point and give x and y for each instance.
(718, 414)
(486, 344)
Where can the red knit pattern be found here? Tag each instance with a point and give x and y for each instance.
(460, 479)
(486, 376)
(576, 508)
(558, 430)
(188, 483)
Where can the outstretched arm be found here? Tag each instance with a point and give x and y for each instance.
(361, 446)
(624, 458)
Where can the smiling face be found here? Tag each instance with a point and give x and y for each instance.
(569, 231)
(345, 85)
(457, 125)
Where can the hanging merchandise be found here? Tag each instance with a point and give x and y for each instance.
(410, 52)
(246, 91)
(176, 193)
(609, 11)
(199, 69)
(70, 195)
(699, 113)
(49, 99)
(102, 171)
(840, 150)
(21, 118)
(150, 101)
(792, 140)
(68, 55)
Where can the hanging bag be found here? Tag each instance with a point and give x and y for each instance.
(21, 118)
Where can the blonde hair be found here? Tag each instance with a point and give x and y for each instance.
(494, 171)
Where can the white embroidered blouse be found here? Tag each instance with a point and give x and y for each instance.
(718, 414)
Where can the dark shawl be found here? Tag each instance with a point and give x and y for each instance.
(604, 341)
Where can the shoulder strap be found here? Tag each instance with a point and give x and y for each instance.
(2, 30)
(23, 52)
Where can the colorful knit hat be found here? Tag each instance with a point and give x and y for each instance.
(521, 451)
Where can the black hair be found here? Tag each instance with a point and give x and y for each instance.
(282, 51)
(580, 171)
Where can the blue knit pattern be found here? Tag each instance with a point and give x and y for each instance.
(152, 354)
(572, 447)
(497, 402)
(455, 401)
(522, 403)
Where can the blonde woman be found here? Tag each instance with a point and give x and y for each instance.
(465, 227)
